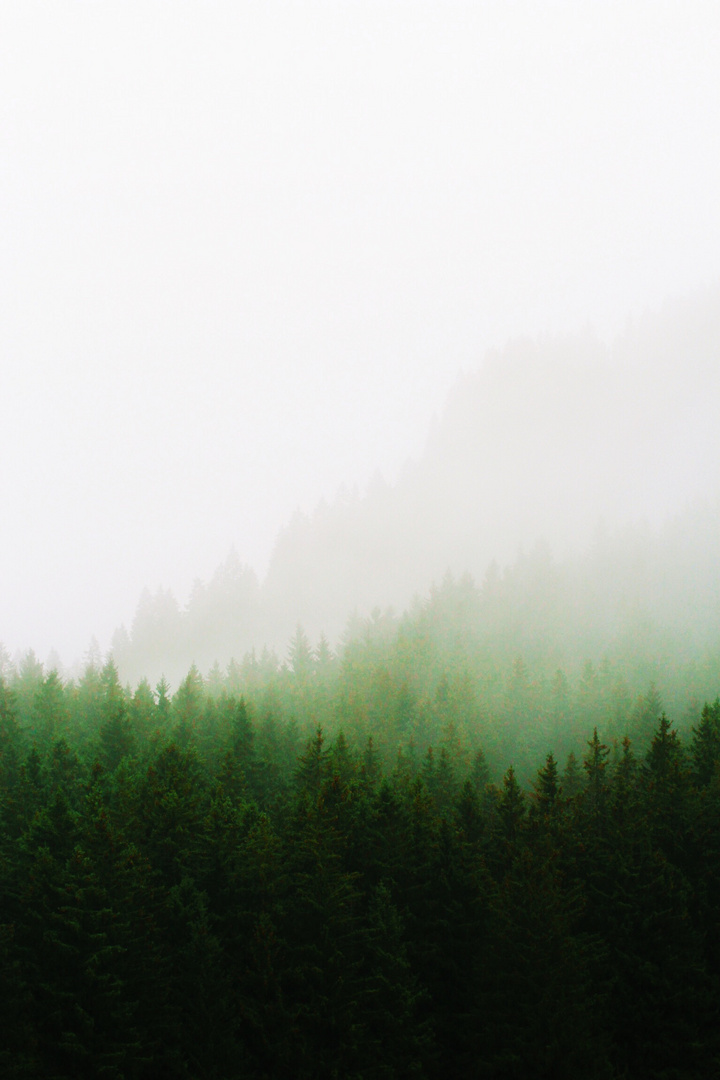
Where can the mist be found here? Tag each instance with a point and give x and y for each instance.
(359, 576)
(250, 253)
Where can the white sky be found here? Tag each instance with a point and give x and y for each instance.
(245, 248)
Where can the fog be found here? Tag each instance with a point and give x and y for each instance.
(250, 251)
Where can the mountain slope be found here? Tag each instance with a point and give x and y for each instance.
(567, 441)
(546, 440)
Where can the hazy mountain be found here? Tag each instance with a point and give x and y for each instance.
(550, 440)
(567, 441)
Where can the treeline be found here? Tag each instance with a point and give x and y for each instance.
(544, 440)
(647, 603)
(201, 884)
(515, 664)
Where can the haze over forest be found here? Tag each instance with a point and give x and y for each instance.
(592, 466)
(248, 253)
(360, 384)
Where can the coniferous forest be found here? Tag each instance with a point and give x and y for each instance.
(360, 393)
(418, 855)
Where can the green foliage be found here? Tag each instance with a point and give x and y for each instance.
(705, 749)
(311, 873)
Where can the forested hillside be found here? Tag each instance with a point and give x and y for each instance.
(478, 838)
(609, 457)
(641, 607)
(360, 544)
(546, 440)
(474, 834)
(333, 869)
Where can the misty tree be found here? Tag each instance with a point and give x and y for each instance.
(242, 734)
(300, 655)
(547, 787)
(572, 781)
(51, 713)
(511, 806)
(645, 714)
(10, 743)
(7, 668)
(705, 748)
(164, 705)
(25, 685)
(596, 775)
(187, 706)
(313, 766)
(323, 658)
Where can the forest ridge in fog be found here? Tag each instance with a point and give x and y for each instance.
(565, 442)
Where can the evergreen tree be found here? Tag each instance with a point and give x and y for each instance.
(705, 748)
(313, 767)
(300, 656)
(547, 787)
(645, 715)
(511, 808)
(596, 778)
(143, 711)
(664, 758)
(116, 740)
(370, 769)
(10, 744)
(187, 706)
(572, 781)
(50, 709)
(624, 786)
(25, 686)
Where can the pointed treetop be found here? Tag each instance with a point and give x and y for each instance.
(547, 786)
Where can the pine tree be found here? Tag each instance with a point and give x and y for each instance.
(572, 783)
(596, 778)
(479, 775)
(50, 709)
(300, 655)
(705, 748)
(370, 769)
(187, 706)
(511, 806)
(624, 782)
(143, 711)
(645, 715)
(164, 703)
(242, 734)
(25, 685)
(342, 762)
(547, 787)
(116, 739)
(324, 658)
(10, 744)
(313, 767)
(664, 758)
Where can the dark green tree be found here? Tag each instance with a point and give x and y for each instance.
(705, 746)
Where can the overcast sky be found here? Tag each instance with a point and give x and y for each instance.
(246, 248)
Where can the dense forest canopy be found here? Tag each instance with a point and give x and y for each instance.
(404, 860)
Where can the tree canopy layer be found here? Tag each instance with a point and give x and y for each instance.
(412, 859)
